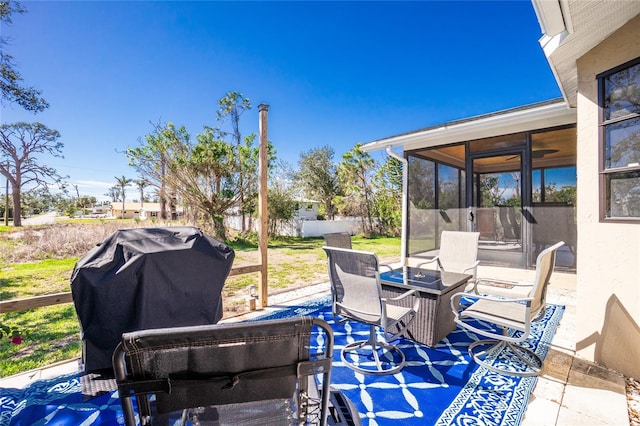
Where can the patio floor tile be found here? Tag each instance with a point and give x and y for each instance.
(595, 393)
(541, 411)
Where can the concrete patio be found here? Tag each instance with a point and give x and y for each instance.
(571, 391)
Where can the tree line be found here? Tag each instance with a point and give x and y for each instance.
(215, 175)
(21, 143)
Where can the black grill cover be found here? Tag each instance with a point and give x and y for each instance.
(146, 278)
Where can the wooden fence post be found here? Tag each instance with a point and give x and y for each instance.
(262, 204)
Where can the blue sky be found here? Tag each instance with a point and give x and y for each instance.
(333, 73)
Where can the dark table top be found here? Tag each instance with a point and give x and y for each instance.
(424, 280)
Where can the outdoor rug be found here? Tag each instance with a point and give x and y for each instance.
(438, 386)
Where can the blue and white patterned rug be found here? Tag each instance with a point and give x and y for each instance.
(438, 386)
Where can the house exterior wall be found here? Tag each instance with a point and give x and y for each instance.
(608, 269)
(307, 211)
(137, 210)
(128, 214)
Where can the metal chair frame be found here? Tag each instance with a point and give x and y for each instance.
(357, 295)
(507, 314)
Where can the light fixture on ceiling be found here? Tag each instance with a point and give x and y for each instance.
(538, 153)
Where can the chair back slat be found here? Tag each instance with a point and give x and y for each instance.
(458, 250)
(354, 279)
(338, 239)
(545, 263)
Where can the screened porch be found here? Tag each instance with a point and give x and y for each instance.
(517, 190)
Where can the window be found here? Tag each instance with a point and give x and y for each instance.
(619, 101)
(559, 185)
(449, 196)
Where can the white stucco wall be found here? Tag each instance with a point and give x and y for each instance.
(608, 269)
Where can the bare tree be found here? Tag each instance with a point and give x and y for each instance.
(113, 193)
(21, 146)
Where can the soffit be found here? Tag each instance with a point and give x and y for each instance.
(588, 23)
(550, 149)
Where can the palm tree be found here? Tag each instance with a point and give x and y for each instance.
(141, 184)
(122, 183)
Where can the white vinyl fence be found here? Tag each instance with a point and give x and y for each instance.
(306, 228)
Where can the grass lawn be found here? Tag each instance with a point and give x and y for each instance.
(52, 333)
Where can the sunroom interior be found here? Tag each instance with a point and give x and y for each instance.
(517, 190)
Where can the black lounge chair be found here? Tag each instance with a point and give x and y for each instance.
(248, 373)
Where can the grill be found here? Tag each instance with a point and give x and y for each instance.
(146, 278)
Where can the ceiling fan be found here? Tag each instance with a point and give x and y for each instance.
(538, 153)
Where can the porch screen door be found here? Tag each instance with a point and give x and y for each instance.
(495, 207)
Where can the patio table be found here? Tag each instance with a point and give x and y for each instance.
(434, 319)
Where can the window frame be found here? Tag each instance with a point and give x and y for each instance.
(605, 174)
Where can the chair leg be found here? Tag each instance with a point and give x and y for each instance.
(500, 350)
(373, 347)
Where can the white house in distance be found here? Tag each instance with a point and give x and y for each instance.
(137, 210)
(306, 209)
(565, 169)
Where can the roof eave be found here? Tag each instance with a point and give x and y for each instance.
(571, 30)
(519, 120)
(550, 17)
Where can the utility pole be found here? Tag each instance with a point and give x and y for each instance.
(262, 203)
